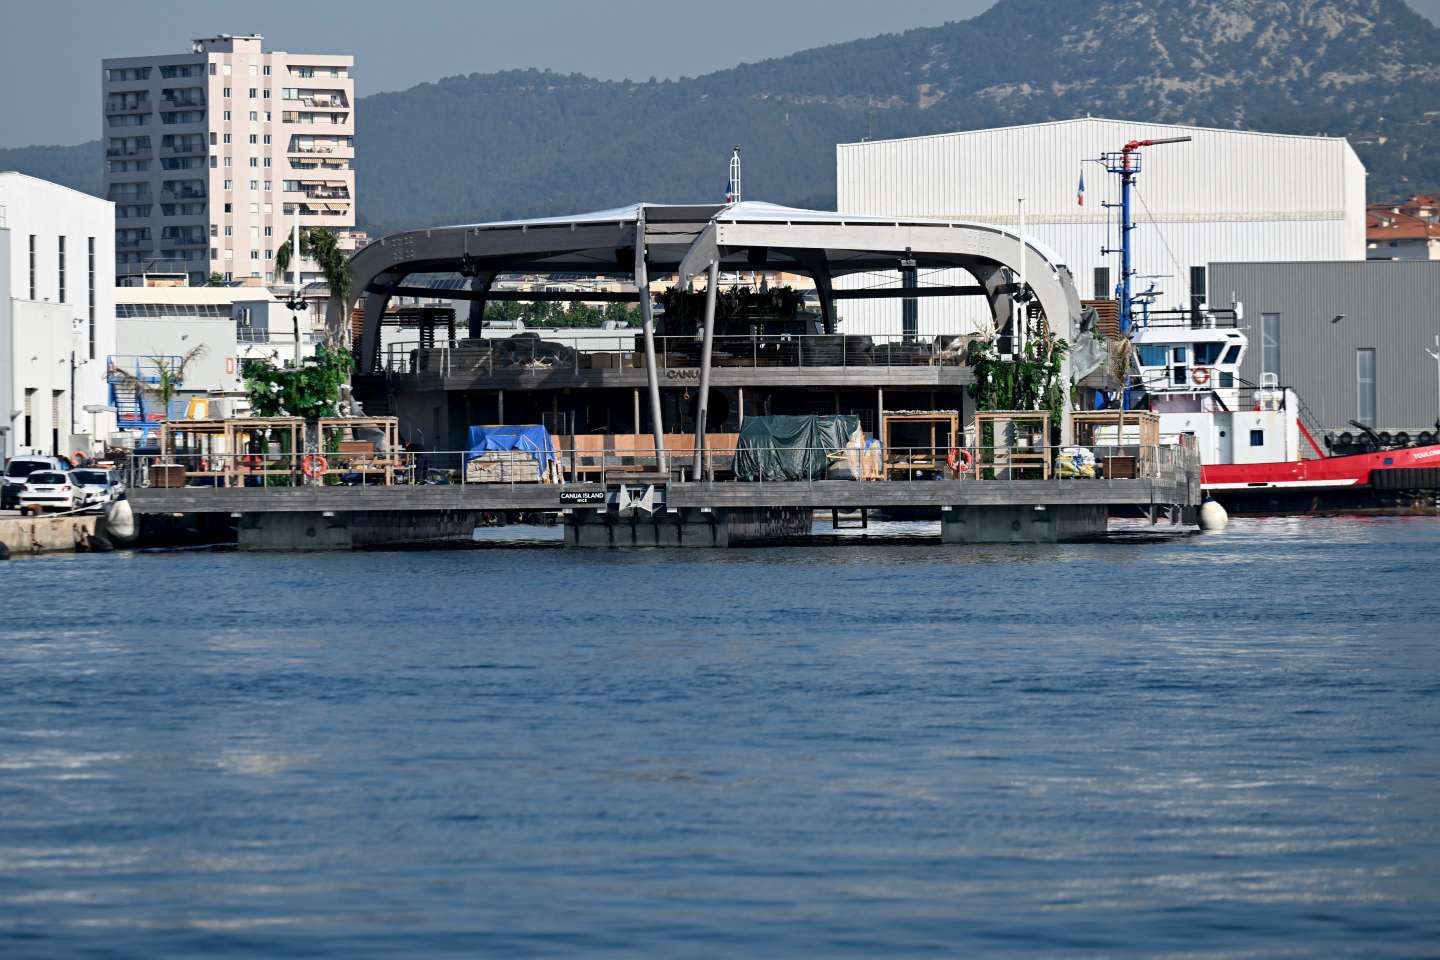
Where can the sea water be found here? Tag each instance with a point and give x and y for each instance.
(1218, 746)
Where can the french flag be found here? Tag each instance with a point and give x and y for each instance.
(1080, 196)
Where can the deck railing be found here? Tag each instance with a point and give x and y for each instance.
(1164, 463)
(625, 350)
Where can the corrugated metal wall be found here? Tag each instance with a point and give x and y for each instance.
(1229, 195)
(1391, 307)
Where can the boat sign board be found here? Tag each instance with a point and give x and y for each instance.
(571, 498)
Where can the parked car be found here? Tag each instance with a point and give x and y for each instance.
(100, 486)
(52, 490)
(21, 467)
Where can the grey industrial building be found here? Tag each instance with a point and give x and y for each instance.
(1369, 365)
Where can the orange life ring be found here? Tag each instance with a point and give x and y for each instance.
(959, 461)
(1201, 375)
(314, 465)
(79, 456)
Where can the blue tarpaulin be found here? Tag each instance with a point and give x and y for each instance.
(533, 439)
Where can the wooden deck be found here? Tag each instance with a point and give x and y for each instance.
(843, 494)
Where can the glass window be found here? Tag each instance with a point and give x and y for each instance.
(1206, 354)
(1270, 344)
(1257, 438)
(1152, 355)
(1233, 354)
(1102, 284)
(1197, 286)
(1180, 353)
(1365, 385)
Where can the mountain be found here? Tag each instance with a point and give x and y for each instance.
(525, 142)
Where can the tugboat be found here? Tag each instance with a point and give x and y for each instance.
(1185, 367)
(1258, 454)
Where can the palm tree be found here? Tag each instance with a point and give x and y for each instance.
(322, 246)
(168, 377)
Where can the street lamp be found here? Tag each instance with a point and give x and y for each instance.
(95, 409)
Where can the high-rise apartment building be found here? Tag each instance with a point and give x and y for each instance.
(208, 155)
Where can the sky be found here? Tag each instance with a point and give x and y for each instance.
(57, 45)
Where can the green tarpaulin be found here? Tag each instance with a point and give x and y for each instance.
(791, 448)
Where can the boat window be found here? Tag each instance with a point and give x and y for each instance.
(1257, 438)
(1178, 374)
(1180, 354)
(1233, 354)
(1227, 381)
(1208, 354)
(1152, 355)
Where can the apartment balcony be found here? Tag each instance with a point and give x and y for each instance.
(142, 196)
(187, 193)
(132, 243)
(119, 107)
(182, 103)
(114, 153)
(183, 150)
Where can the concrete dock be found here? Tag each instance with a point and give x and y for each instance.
(709, 514)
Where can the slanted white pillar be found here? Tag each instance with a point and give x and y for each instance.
(647, 315)
(712, 282)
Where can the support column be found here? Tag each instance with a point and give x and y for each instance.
(827, 299)
(375, 303)
(697, 469)
(647, 314)
(479, 284)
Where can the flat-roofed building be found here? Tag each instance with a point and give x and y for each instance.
(57, 315)
(210, 153)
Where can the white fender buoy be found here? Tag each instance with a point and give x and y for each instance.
(1213, 517)
(120, 521)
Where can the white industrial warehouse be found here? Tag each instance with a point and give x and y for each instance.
(1228, 195)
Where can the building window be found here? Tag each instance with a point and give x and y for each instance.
(229, 231)
(254, 116)
(254, 254)
(269, 231)
(214, 162)
(213, 137)
(61, 271)
(225, 92)
(227, 207)
(1365, 385)
(254, 161)
(29, 415)
(1270, 345)
(227, 139)
(212, 69)
(90, 245)
(1102, 284)
(32, 266)
(226, 115)
(254, 93)
(254, 184)
(267, 139)
(1198, 296)
(266, 71)
(1257, 438)
(254, 138)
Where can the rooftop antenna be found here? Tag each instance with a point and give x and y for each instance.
(733, 196)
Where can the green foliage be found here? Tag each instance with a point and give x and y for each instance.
(168, 373)
(309, 391)
(1029, 382)
(215, 280)
(548, 314)
(322, 246)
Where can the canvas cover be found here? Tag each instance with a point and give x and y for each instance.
(791, 448)
(533, 440)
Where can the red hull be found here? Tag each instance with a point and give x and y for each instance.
(1350, 471)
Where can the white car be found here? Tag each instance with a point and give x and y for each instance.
(52, 490)
(100, 486)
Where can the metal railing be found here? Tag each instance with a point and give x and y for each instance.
(623, 350)
(724, 464)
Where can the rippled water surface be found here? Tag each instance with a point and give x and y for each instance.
(1221, 746)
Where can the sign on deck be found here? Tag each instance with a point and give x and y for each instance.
(581, 497)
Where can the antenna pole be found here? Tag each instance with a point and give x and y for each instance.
(735, 175)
